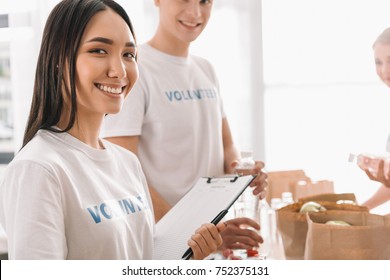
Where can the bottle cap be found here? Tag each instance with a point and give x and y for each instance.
(246, 154)
(275, 202)
(286, 195)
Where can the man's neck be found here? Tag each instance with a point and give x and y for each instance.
(169, 45)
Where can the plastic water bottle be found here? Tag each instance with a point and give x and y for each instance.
(371, 162)
(277, 249)
(265, 228)
(245, 164)
(287, 199)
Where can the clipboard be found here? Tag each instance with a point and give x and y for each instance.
(203, 203)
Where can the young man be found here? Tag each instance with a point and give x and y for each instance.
(174, 119)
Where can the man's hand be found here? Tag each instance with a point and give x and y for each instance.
(259, 184)
(239, 235)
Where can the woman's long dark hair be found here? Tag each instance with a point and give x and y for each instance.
(60, 42)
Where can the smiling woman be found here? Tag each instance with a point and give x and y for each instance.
(68, 194)
(64, 167)
(105, 67)
(66, 76)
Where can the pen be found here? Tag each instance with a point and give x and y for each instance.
(188, 254)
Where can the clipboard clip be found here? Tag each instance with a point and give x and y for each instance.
(232, 180)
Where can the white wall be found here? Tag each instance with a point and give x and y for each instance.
(323, 99)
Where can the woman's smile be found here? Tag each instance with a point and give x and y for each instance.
(110, 89)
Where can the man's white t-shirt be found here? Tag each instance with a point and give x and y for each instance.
(176, 109)
(62, 199)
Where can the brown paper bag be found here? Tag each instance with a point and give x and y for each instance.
(283, 181)
(309, 188)
(368, 237)
(334, 197)
(292, 226)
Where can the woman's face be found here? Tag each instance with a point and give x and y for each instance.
(106, 69)
(184, 20)
(382, 62)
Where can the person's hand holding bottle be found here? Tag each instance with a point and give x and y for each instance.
(247, 166)
(376, 168)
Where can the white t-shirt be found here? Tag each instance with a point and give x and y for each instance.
(176, 108)
(62, 199)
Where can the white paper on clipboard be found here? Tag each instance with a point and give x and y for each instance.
(206, 199)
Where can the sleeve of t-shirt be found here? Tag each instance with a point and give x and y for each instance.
(33, 213)
(128, 122)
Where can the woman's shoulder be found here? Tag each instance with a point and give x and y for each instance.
(41, 150)
(39, 145)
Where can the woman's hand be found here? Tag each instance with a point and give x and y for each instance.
(206, 240)
(381, 174)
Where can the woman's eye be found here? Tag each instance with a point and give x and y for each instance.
(130, 55)
(98, 51)
(205, 1)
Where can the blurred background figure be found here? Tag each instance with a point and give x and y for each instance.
(377, 169)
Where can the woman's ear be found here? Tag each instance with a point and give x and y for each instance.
(157, 3)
